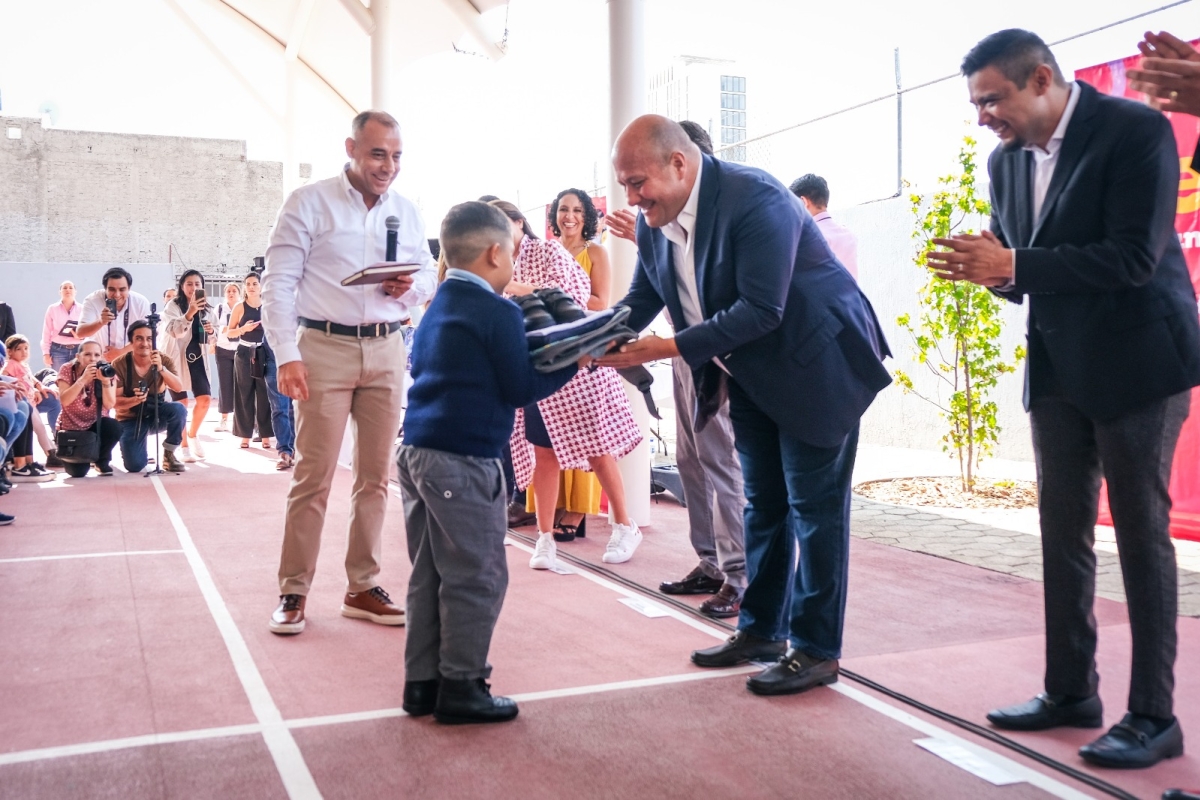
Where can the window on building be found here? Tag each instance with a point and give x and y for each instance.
(733, 116)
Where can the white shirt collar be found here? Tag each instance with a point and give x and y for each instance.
(685, 223)
(1060, 132)
(356, 195)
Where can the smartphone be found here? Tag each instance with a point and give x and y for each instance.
(111, 305)
(142, 386)
(199, 294)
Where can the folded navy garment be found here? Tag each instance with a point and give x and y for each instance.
(554, 347)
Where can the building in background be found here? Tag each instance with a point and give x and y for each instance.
(87, 196)
(709, 91)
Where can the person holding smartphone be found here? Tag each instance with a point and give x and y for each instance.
(108, 313)
(188, 322)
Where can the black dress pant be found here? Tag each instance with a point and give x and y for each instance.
(253, 401)
(1133, 453)
(225, 369)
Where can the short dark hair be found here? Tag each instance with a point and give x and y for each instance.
(134, 327)
(382, 117)
(487, 198)
(1016, 53)
(591, 219)
(813, 187)
(698, 135)
(471, 228)
(116, 272)
(514, 213)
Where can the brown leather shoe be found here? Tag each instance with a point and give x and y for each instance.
(727, 602)
(288, 619)
(373, 605)
(518, 517)
(285, 462)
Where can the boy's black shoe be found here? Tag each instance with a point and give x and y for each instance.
(5, 519)
(560, 305)
(537, 316)
(420, 697)
(461, 702)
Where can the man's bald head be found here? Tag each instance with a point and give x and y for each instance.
(658, 164)
(655, 137)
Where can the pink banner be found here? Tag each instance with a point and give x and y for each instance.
(1185, 474)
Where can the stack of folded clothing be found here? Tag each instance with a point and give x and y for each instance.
(559, 332)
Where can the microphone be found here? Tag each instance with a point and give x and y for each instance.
(393, 227)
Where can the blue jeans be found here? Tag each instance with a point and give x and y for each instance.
(52, 407)
(171, 417)
(61, 354)
(797, 497)
(11, 425)
(283, 415)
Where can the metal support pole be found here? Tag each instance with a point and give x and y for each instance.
(627, 101)
(899, 130)
(381, 56)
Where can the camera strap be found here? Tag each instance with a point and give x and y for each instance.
(127, 388)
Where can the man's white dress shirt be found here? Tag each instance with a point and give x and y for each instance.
(324, 234)
(1042, 170)
(680, 232)
(115, 333)
(841, 241)
(1044, 160)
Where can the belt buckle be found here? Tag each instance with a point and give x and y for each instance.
(328, 332)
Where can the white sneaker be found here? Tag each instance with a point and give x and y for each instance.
(186, 455)
(545, 553)
(223, 425)
(197, 449)
(624, 540)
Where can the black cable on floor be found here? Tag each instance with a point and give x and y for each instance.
(979, 730)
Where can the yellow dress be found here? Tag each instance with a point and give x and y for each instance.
(578, 490)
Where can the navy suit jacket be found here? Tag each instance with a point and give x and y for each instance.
(780, 312)
(1112, 314)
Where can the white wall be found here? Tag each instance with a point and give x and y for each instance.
(891, 280)
(29, 288)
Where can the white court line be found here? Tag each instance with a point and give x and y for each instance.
(529, 697)
(1031, 776)
(88, 748)
(89, 555)
(289, 761)
(47, 753)
(1042, 781)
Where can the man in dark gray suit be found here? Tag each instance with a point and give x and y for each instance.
(1084, 190)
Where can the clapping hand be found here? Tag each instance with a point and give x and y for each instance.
(622, 223)
(1169, 75)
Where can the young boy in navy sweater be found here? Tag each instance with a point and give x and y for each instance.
(471, 371)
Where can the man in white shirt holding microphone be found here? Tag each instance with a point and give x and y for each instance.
(341, 356)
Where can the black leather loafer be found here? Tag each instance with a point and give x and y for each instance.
(794, 673)
(420, 697)
(741, 648)
(696, 582)
(1180, 794)
(1049, 711)
(1126, 746)
(463, 702)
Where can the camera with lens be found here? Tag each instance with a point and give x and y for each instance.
(106, 369)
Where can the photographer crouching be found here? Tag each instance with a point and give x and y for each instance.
(87, 390)
(142, 375)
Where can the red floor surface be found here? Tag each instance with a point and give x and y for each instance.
(97, 649)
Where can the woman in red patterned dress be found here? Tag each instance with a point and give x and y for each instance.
(585, 425)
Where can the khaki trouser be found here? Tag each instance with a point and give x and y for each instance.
(359, 379)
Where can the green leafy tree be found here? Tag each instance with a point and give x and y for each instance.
(956, 335)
